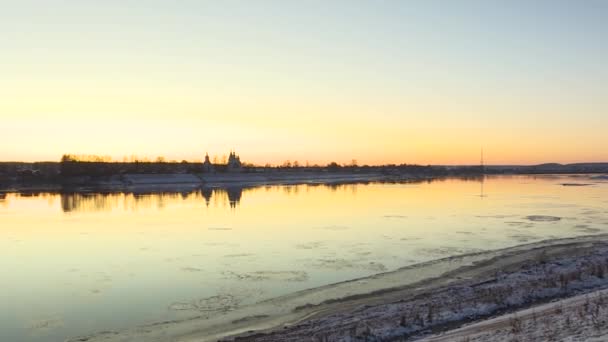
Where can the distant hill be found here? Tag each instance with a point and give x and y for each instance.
(551, 168)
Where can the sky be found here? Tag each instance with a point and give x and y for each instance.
(429, 82)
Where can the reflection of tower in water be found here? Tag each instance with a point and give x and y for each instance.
(207, 193)
(234, 195)
(481, 181)
(97, 202)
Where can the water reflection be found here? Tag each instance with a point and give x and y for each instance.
(72, 201)
(231, 196)
(89, 202)
(254, 243)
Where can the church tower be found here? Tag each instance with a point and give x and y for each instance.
(207, 166)
(234, 163)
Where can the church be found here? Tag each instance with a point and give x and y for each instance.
(234, 164)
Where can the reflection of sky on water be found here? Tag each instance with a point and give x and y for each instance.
(79, 263)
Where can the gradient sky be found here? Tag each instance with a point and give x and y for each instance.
(376, 81)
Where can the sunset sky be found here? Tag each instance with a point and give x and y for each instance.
(377, 81)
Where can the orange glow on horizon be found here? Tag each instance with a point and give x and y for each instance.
(395, 90)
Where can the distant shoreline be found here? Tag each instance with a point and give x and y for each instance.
(180, 182)
(189, 182)
(142, 176)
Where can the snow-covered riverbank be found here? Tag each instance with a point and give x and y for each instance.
(579, 318)
(409, 303)
(505, 283)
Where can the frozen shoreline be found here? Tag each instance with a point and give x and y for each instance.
(180, 182)
(368, 305)
(189, 182)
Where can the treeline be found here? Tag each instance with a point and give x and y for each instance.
(73, 168)
(101, 166)
(96, 169)
(73, 165)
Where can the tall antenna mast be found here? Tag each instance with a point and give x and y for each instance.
(482, 195)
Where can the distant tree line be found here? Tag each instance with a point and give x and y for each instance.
(90, 165)
(72, 165)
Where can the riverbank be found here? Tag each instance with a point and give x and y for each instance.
(578, 318)
(407, 303)
(188, 182)
(179, 182)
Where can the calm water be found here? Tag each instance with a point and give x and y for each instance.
(74, 264)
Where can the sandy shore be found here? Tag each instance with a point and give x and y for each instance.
(383, 306)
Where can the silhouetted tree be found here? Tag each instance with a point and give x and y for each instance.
(333, 167)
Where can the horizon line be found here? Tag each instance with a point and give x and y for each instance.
(316, 164)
